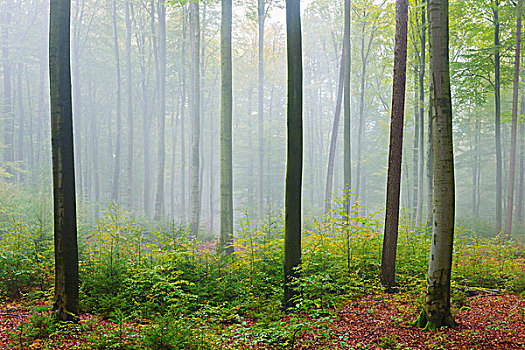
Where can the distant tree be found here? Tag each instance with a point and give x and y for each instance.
(116, 166)
(226, 234)
(497, 117)
(294, 163)
(347, 154)
(7, 100)
(129, 98)
(388, 261)
(436, 310)
(195, 197)
(514, 128)
(66, 250)
(159, 201)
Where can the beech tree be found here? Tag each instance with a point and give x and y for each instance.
(294, 162)
(436, 311)
(65, 303)
(388, 260)
(226, 234)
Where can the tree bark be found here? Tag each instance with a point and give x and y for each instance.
(66, 250)
(436, 311)
(388, 260)
(294, 164)
(514, 128)
(261, 12)
(422, 37)
(226, 234)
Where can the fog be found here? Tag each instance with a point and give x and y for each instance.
(119, 119)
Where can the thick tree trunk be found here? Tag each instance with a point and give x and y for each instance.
(497, 120)
(129, 98)
(514, 129)
(118, 131)
(388, 260)
(294, 164)
(226, 234)
(66, 250)
(347, 154)
(195, 117)
(436, 311)
(159, 202)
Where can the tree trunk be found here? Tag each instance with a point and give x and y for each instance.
(335, 132)
(519, 207)
(430, 167)
(497, 121)
(7, 108)
(183, 118)
(226, 234)
(436, 310)
(21, 122)
(261, 11)
(116, 169)
(514, 129)
(129, 97)
(294, 164)
(43, 65)
(347, 49)
(419, 214)
(388, 260)
(195, 117)
(66, 250)
(159, 202)
(415, 149)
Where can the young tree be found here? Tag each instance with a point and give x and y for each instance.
(388, 260)
(226, 235)
(66, 250)
(514, 129)
(294, 163)
(436, 311)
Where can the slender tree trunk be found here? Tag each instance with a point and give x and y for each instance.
(195, 117)
(226, 234)
(66, 250)
(118, 131)
(415, 148)
(422, 37)
(335, 132)
(514, 129)
(42, 108)
(388, 261)
(347, 49)
(294, 164)
(497, 123)
(159, 202)
(183, 117)
(430, 168)
(7, 103)
(519, 207)
(94, 150)
(129, 98)
(31, 128)
(261, 11)
(436, 311)
(21, 121)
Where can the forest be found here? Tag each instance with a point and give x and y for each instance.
(262, 174)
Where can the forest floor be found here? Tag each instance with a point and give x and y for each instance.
(380, 321)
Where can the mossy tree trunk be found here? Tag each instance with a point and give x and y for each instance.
(226, 234)
(294, 164)
(436, 312)
(66, 249)
(388, 260)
